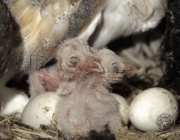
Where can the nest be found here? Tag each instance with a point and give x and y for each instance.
(13, 129)
(145, 51)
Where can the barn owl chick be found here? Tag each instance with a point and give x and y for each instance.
(88, 104)
(74, 59)
(114, 67)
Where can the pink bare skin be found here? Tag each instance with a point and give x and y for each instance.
(88, 104)
(44, 80)
(74, 59)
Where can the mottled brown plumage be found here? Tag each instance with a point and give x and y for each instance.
(44, 24)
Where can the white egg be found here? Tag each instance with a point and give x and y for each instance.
(123, 108)
(40, 109)
(12, 102)
(154, 109)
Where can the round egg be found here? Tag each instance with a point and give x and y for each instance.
(123, 108)
(12, 102)
(154, 109)
(40, 109)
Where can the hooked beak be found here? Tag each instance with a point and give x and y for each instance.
(94, 65)
(131, 70)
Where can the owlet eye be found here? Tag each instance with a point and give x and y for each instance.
(115, 68)
(73, 62)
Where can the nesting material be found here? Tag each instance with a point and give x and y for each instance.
(14, 129)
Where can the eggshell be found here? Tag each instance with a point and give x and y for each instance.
(154, 109)
(40, 109)
(123, 108)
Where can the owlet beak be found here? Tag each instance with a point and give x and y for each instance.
(93, 65)
(130, 70)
